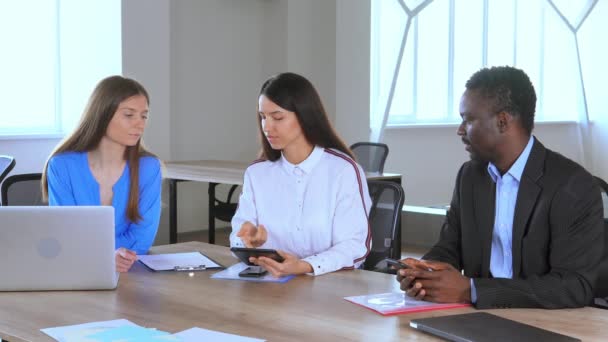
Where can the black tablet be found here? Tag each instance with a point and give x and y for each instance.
(245, 253)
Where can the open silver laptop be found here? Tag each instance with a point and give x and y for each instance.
(57, 248)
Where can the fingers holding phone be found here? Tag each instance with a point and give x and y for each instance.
(291, 265)
(396, 264)
(406, 275)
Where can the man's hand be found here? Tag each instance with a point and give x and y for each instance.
(408, 284)
(251, 235)
(434, 281)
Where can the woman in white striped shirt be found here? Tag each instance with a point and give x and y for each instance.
(305, 196)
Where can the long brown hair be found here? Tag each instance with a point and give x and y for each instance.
(98, 113)
(296, 94)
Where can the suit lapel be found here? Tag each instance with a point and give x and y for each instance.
(484, 190)
(528, 192)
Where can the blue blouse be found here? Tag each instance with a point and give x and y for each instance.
(70, 182)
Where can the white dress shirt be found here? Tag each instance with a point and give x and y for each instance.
(507, 187)
(317, 210)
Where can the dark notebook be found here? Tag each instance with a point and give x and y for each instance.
(482, 326)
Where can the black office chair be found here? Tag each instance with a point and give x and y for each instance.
(23, 189)
(371, 156)
(601, 290)
(7, 163)
(385, 213)
(223, 210)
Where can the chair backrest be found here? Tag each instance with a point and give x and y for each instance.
(371, 156)
(23, 189)
(602, 280)
(384, 216)
(604, 187)
(7, 163)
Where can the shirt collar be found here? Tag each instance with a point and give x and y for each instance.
(517, 169)
(307, 165)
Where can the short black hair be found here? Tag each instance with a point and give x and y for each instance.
(511, 90)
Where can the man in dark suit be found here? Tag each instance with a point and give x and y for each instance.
(525, 225)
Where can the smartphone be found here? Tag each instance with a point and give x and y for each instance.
(396, 263)
(245, 253)
(253, 271)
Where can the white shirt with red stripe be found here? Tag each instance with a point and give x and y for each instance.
(317, 210)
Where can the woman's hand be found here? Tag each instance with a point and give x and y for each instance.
(251, 235)
(124, 259)
(291, 265)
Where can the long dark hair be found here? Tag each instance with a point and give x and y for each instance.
(296, 94)
(98, 113)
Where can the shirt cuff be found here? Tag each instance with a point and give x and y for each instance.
(473, 292)
(318, 263)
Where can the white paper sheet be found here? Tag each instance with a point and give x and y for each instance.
(199, 334)
(168, 262)
(72, 333)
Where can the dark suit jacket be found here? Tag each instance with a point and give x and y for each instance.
(558, 234)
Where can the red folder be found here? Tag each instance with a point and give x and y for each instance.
(389, 304)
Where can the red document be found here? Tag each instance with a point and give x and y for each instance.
(388, 304)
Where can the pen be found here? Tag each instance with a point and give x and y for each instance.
(189, 268)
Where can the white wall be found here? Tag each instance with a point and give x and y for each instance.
(311, 46)
(218, 64)
(429, 158)
(30, 154)
(352, 69)
(146, 58)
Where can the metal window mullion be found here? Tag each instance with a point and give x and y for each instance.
(415, 68)
(451, 26)
(397, 70)
(484, 32)
(375, 46)
(515, 18)
(58, 104)
(541, 64)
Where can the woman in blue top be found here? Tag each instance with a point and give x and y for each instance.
(103, 162)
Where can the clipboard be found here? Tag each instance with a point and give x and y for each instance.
(179, 262)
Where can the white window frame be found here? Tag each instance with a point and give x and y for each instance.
(84, 55)
(381, 103)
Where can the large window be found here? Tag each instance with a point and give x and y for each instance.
(422, 53)
(53, 54)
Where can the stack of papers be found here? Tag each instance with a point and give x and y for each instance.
(391, 303)
(122, 330)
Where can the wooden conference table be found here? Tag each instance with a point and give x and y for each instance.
(305, 308)
(225, 172)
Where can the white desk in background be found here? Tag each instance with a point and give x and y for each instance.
(217, 172)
